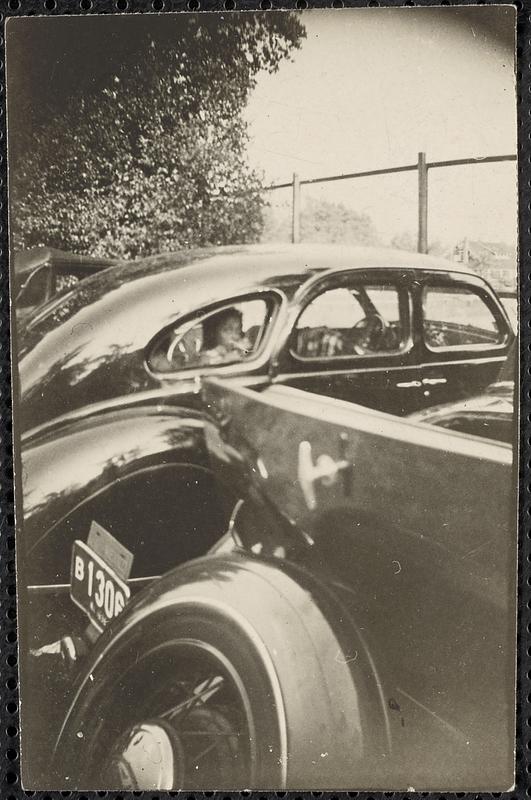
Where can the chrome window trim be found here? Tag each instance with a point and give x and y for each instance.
(257, 360)
(361, 273)
(390, 368)
(478, 291)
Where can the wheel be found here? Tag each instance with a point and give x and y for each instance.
(232, 682)
(195, 727)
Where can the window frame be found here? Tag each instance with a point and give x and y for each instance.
(43, 269)
(349, 280)
(488, 300)
(274, 300)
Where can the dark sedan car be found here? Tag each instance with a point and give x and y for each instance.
(379, 327)
(149, 472)
(489, 415)
(42, 273)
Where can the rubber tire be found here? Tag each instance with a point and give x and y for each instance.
(304, 689)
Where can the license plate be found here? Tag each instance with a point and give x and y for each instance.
(95, 586)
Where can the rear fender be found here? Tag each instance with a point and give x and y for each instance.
(91, 455)
(142, 474)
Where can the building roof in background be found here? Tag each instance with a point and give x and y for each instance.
(497, 252)
(479, 254)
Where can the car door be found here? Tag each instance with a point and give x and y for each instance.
(351, 339)
(464, 335)
(386, 507)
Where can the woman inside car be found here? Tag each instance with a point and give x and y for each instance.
(223, 338)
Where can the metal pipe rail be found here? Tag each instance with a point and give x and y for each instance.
(422, 168)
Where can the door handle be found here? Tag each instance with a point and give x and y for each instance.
(433, 381)
(325, 470)
(409, 385)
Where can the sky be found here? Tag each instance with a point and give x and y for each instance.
(370, 88)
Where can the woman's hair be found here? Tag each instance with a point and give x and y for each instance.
(211, 325)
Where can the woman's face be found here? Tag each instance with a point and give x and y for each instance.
(230, 331)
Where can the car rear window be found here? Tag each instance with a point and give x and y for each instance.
(459, 317)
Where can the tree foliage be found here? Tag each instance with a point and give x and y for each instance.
(408, 241)
(154, 159)
(322, 221)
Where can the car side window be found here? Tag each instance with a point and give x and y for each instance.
(354, 321)
(35, 289)
(227, 335)
(459, 317)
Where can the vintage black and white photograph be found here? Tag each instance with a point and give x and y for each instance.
(264, 319)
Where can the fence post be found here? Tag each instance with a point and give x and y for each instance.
(422, 245)
(296, 210)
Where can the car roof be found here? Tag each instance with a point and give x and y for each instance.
(174, 284)
(27, 260)
(243, 265)
(299, 259)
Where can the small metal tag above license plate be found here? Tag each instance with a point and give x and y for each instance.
(115, 555)
(98, 576)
